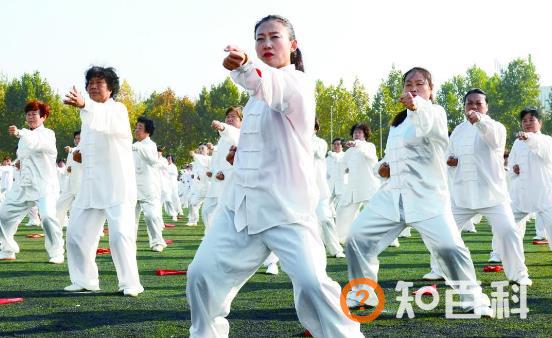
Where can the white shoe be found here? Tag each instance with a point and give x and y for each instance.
(340, 255)
(494, 257)
(131, 292)
(484, 311)
(57, 260)
(191, 224)
(432, 276)
(395, 243)
(539, 238)
(157, 248)
(354, 303)
(78, 288)
(272, 269)
(525, 281)
(7, 256)
(175, 219)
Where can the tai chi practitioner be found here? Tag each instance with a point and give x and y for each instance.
(273, 196)
(475, 159)
(328, 228)
(172, 170)
(185, 186)
(148, 181)
(72, 186)
(166, 187)
(108, 187)
(7, 176)
(336, 172)
(200, 184)
(37, 185)
(531, 163)
(220, 170)
(414, 192)
(362, 184)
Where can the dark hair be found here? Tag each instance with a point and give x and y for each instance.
(236, 109)
(38, 105)
(108, 74)
(316, 125)
(362, 126)
(148, 125)
(296, 56)
(76, 133)
(401, 116)
(338, 139)
(171, 156)
(532, 111)
(475, 91)
(7, 157)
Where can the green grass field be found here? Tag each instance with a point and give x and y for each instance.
(263, 308)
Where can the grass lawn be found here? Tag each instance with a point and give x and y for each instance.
(263, 308)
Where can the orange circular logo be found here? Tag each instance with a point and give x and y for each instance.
(379, 293)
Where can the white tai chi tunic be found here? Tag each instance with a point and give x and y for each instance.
(323, 210)
(108, 190)
(336, 177)
(166, 187)
(148, 183)
(478, 186)
(228, 137)
(184, 187)
(37, 186)
(532, 188)
(7, 173)
(172, 171)
(361, 184)
(71, 188)
(273, 198)
(416, 194)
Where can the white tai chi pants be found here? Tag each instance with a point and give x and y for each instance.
(544, 216)
(82, 243)
(328, 230)
(195, 205)
(508, 238)
(154, 220)
(12, 213)
(207, 211)
(215, 276)
(371, 234)
(64, 203)
(345, 215)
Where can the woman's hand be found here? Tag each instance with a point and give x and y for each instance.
(74, 98)
(408, 100)
(235, 59)
(220, 176)
(384, 170)
(13, 131)
(217, 125)
(452, 161)
(516, 169)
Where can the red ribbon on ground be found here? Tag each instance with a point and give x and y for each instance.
(169, 241)
(169, 225)
(426, 290)
(307, 333)
(160, 272)
(34, 235)
(540, 242)
(103, 251)
(10, 300)
(493, 268)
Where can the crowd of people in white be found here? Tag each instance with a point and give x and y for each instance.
(269, 191)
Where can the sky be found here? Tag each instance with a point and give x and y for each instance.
(179, 44)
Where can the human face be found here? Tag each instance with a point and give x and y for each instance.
(203, 150)
(476, 102)
(140, 131)
(417, 85)
(33, 119)
(98, 90)
(337, 147)
(530, 124)
(76, 139)
(233, 119)
(358, 134)
(273, 44)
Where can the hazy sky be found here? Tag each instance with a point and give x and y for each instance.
(179, 44)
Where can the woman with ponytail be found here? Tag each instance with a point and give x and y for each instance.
(270, 204)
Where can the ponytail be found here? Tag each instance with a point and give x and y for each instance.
(297, 60)
(399, 118)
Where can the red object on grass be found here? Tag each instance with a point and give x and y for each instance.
(493, 268)
(10, 300)
(160, 272)
(169, 225)
(103, 251)
(540, 242)
(169, 241)
(307, 333)
(426, 290)
(35, 236)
